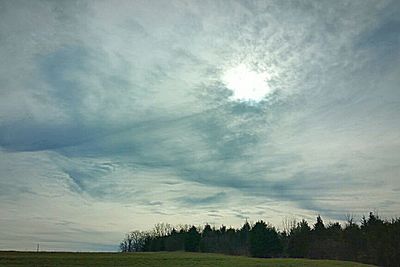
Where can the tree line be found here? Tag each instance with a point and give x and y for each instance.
(373, 240)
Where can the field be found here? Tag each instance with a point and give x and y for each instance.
(64, 259)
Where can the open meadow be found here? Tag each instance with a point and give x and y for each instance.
(149, 259)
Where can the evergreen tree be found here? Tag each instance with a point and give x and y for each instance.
(192, 240)
(299, 240)
(264, 241)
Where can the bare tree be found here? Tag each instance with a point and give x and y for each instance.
(162, 229)
(288, 224)
(133, 242)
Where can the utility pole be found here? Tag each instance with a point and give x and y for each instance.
(37, 247)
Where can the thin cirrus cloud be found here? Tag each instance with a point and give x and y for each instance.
(115, 116)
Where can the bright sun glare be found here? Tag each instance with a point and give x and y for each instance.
(246, 84)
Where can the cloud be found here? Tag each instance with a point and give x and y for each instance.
(111, 113)
(193, 201)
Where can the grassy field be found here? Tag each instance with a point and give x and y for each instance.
(53, 259)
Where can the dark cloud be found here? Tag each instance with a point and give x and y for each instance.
(210, 200)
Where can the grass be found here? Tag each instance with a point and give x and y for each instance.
(149, 259)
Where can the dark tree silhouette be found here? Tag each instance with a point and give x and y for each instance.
(264, 241)
(374, 240)
(134, 242)
(299, 240)
(192, 240)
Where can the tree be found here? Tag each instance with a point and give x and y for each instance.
(244, 235)
(264, 241)
(299, 240)
(376, 241)
(352, 240)
(134, 242)
(208, 240)
(162, 229)
(318, 248)
(374, 229)
(319, 226)
(174, 241)
(192, 240)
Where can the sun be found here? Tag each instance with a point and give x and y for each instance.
(247, 84)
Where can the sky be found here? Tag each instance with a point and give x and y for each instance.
(116, 115)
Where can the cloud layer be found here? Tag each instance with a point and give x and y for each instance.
(114, 116)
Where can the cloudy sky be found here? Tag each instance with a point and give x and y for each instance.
(116, 115)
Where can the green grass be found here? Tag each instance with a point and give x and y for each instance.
(149, 259)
